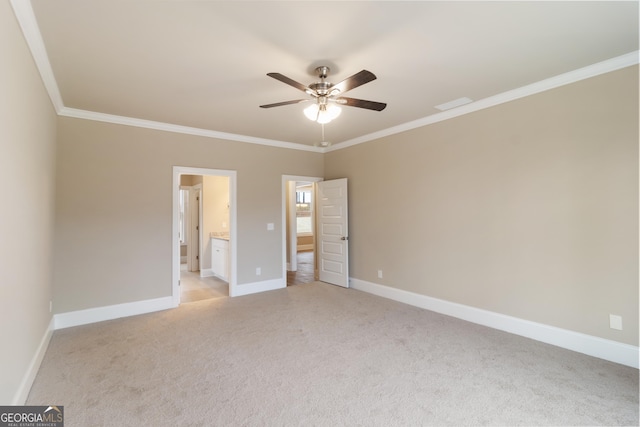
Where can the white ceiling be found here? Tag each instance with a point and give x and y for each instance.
(203, 64)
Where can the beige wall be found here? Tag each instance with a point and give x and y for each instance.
(304, 240)
(529, 208)
(190, 180)
(27, 164)
(113, 222)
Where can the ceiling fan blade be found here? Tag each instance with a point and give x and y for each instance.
(361, 103)
(354, 81)
(290, 82)
(279, 104)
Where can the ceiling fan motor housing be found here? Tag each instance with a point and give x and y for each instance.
(323, 71)
(321, 88)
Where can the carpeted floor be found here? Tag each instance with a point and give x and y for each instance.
(319, 355)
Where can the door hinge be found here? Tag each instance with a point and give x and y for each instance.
(179, 284)
(197, 256)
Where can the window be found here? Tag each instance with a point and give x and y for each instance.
(303, 197)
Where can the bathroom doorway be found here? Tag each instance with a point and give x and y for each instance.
(204, 246)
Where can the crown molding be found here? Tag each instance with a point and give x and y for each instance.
(168, 127)
(29, 25)
(589, 71)
(26, 19)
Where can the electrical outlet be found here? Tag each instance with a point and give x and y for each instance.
(258, 271)
(615, 322)
(379, 274)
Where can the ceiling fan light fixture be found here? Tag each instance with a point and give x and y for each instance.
(312, 112)
(328, 113)
(322, 113)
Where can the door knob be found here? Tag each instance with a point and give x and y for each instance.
(344, 238)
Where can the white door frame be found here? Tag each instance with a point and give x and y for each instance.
(285, 180)
(233, 221)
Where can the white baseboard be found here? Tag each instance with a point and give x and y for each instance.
(99, 314)
(27, 381)
(255, 287)
(206, 272)
(613, 351)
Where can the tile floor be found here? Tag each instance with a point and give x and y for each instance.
(305, 270)
(196, 288)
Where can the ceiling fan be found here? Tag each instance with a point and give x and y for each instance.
(328, 97)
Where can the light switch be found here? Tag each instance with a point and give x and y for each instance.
(270, 226)
(615, 322)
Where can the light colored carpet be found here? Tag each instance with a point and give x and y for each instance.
(319, 355)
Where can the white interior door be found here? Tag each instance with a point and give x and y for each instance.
(333, 232)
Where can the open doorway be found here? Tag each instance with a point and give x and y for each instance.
(299, 225)
(204, 212)
(204, 245)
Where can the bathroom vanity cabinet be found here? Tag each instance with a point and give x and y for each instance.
(220, 258)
